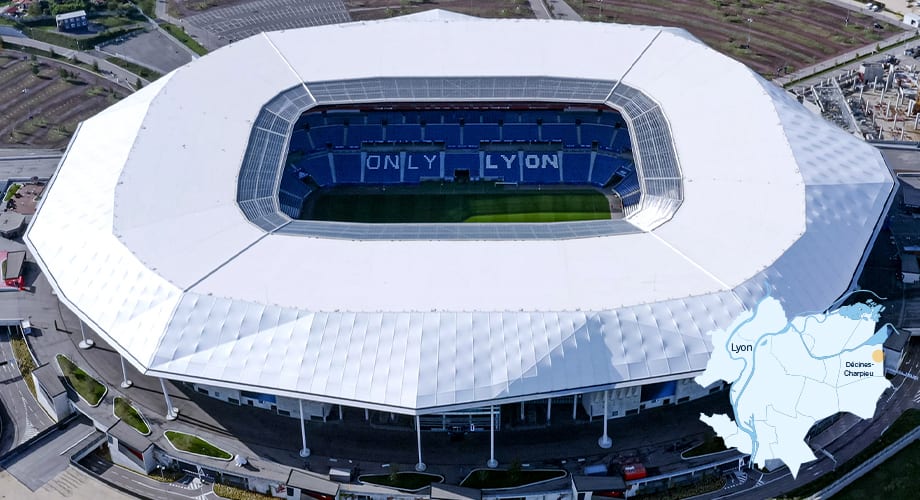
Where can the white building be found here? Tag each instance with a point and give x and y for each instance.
(744, 194)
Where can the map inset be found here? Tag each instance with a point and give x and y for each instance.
(788, 374)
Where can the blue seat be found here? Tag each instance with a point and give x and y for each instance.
(347, 167)
(475, 133)
(604, 168)
(621, 141)
(359, 134)
(545, 116)
(311, 119)
(541, 167)
(330, 134)
(406, 132)
(582, 116)
(562, 132)
(490, 116)
(602, 134)
(300, 141)
(382, 168)
(291, 183)
(448, 133)
(317, 167)
(345, 117)
(418, 166)
(429, 117)
(520, 132)
(576, 167)
(454, 161)
(502, 165)
(611, 118)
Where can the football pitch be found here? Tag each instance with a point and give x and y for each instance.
(456, 202)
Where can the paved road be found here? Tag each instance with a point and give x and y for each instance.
(23, 417)
(110, 71)
(51, 455)
(144, 486)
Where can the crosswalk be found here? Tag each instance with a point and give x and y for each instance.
(917, 397)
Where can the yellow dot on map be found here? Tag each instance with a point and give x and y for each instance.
(878, 356)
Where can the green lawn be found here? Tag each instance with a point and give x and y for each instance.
(87, 387)
(184, 37)
(23, 358)
(404, 480)
(125, 411)
(500, 478)
(194, 444)
(449, 203)
(894, 478)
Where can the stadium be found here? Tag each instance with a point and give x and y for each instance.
(439, 216)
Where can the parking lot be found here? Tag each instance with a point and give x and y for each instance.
(228, 24)
(150, 48)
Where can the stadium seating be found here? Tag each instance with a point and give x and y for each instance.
(519, 132)
(541, 167)
(602, 134)
(359, 134)
(576, 167)
(405, 132)
(318, 168)
(454, 161)
(604, 168)
(382, 168)
(502, 166)
(447, 133)
(385, 147)
(419, 166)
(347, 167)
(333, 135)
(565, 133)
(475, 133)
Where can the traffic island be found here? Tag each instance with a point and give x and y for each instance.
(195, 445)
(131, 416)
(89, 389)
(493, 479)
(406, 481)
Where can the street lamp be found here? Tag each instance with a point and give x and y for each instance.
(125, 383)
(85, 343)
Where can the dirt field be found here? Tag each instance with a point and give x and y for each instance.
(788, 34)
(378, 9)
(47, 113)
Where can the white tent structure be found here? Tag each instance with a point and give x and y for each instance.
(162, 227)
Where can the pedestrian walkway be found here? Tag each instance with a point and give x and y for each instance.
(844, 58)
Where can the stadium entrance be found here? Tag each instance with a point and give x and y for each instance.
(444, 163)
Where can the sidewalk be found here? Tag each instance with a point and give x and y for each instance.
(107, 69)
(844, 58)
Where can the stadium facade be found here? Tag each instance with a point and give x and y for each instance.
(164, 229)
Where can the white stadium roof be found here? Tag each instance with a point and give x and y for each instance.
(142, 233)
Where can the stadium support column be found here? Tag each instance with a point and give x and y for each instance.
(171, 412)
(304, 451)
(85, 343)
(125, 383)
(604, 441)
(574, 406)
(420, 466)
(492, 463)
(549, 409)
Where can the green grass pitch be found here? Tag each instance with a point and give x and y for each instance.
(456, 202)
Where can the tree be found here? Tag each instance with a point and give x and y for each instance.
(52, 53)
(35, 69)
(63, 73)
(138, 84)
(35, 9)
(95, 66)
